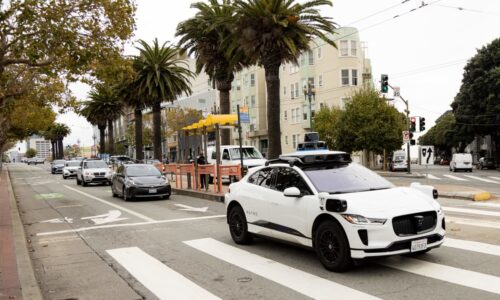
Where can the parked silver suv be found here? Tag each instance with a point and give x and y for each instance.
(93, 171)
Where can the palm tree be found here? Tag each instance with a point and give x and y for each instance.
(89, 112)
(161, 75)
(272, 32)
(60, 131)
(204, 36)
(49, 135)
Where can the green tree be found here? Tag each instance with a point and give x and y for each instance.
(179, 118)
(444, 135)
(146, 133)
(161, 76)
(30, 153)
(204, 36)
(477, 104)
(272, 32)
(326, 124)
(368, 123)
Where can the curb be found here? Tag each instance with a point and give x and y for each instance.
(199, 194)
(472, 196)
(29, 285)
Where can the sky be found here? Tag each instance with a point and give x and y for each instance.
(423, 51)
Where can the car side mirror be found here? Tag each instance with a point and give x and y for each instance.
(292, 192)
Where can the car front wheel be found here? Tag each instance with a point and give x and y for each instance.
(238, 226)
(332, 247)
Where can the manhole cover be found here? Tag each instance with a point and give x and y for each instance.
(244, 279)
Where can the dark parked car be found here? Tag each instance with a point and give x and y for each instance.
(486, 163)
(139, 181)
(56, 167)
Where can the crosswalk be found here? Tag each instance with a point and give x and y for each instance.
(164, 282)
(464, 178)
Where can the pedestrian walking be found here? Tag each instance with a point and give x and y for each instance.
(202, 161)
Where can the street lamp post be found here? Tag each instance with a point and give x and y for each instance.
(309, 94)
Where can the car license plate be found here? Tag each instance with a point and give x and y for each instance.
(152, 191)
(418, 245)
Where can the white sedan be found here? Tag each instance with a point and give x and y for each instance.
(322, 200)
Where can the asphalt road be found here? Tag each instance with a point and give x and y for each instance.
(85, 244)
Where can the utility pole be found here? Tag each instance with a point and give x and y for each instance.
(408, 125)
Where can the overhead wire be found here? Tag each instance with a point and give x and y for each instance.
(469, 10)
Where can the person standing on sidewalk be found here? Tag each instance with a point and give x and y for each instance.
(201, 161)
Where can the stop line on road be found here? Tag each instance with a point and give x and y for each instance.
(490, 179)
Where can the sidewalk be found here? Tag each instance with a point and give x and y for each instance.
(17, 279)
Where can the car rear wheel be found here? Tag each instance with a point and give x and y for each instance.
(238, 226)
(78, 182)
(84, 183)
(332, 247)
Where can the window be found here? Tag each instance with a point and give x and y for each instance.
(302, 60)
(354, 50)
(262, 178)
(354, 76)
(320, 80)
(288, 177)
(343, 102)
(305, 116)
(252, 79)
(291, 91)
(344, 48)
(319, 52)
(311, 57)
(285, 117)
(294, 141)
(245, 80)
(296, 89)
(345, 76)
(252, 101)
(284, 91)
(245, 101)
(286, 139)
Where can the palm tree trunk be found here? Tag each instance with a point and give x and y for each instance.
(102, 136)
(60, 148)
(224, 86)
(53, 143)
(138, 133)
(111, 138)
(273, 110)
(157, 130)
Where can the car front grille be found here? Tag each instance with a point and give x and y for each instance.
(99, 173)
(414, 223)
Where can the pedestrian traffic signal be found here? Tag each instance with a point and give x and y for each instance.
(413, 125)
(422, 123)
(384, 83)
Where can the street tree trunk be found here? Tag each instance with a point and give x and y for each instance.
(224, 86)
(54, 150)
(138, 134)
(60, 148)
(102, 135)
(111, 138)
(273, 110)
(157, 131)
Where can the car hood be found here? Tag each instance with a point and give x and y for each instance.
(148, 180)
(387, 203)
(57, 165)
(72, 168)
(250, 163)
(97, 170)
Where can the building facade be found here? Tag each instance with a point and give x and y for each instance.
(41, 145)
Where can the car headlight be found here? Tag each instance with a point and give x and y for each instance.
(87, 173)
(357, 219)
(166, 179)
(129, 182)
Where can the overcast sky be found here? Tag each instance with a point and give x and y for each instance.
(423, 51)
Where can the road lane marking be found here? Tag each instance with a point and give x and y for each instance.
(66, 206)
(471, 211)
(41, 182)
(128, 225)
(473, 246)
(141, 216)
(190, 208)
(493, 177)
(430, 176)
(481, 179)
(161, 280)
(300, 281)
(453, 275)
(494, 205)
(48, 196)
(111, 216)
(455, 177)
(473, 222)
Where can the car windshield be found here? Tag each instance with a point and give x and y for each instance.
(73, 163)
(95, 164)
(142, 170)
(399, 158)
(58, 162)
(345, 178)
(248, 153)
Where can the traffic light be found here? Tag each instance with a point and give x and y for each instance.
(412, 141)
(413, 124)
(384, 83)
(422, 123)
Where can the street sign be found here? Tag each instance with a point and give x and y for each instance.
(244, 116)
(426, 155)
(406, 136)
(397, 91)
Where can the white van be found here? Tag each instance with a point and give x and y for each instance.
(461, 161)
(398, 162)
(230, 155)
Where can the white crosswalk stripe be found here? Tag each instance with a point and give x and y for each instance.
(300, 281)
(430, 176)
(455, 177)
(472, 246)
(162, 281)
(473, 222)
(472, 211)
(493, 205)
(481, 179)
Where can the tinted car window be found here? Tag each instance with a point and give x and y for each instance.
(262, 178)
(73, 163)
(94, 164)
(142, 170)
(288, 177)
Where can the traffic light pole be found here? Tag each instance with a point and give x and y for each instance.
(408, 159)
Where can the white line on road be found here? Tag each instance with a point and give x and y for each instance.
(473, 246)
(473, 222)
(494, 205)
(455, 177)
(493, 177)
(300, 281)
(472, 211)
(41, 182)
(481, 179)
(430, 176)
(127, 225)
(161, 280)
(145, 218)
(453, 275)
